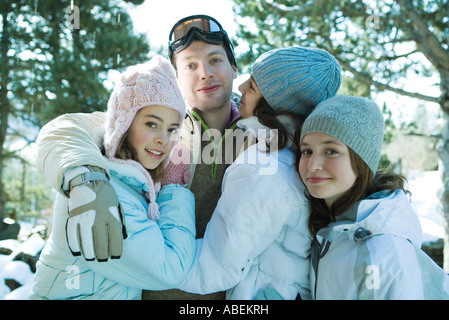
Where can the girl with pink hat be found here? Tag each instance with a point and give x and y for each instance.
(145, 112)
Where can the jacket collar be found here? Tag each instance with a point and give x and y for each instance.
(235, 116)
(381, 213)
(262, 132)
(133, 174)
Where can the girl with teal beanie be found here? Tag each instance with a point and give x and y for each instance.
(257, 237)
(366, 237)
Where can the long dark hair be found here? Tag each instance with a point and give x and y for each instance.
(366, 184)
(268, 117)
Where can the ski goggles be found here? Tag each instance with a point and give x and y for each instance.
(203, 27)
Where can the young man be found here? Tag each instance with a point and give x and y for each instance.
(68, 147)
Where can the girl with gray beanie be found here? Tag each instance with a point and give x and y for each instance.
(257, 236)
(366, 237)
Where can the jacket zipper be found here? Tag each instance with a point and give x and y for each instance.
(211, 138)
(318, 251)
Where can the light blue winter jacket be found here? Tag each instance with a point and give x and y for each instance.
(373, 251)
(156, 255)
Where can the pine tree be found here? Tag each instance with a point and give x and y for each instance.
(55, 56)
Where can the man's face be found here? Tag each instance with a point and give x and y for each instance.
(205, 76)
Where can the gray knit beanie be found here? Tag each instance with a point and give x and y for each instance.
(355, 121)
(296, 79)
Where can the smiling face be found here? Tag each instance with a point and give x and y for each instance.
(251, 95)
(325, 167)
(205, 76)
(152, 134)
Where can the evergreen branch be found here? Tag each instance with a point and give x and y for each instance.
(367, 79)
(431, 136)
(425, 40)
(297, 10)
(392, 58)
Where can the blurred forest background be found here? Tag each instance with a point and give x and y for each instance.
(396, 52)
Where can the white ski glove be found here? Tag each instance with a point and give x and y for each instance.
(95, 228)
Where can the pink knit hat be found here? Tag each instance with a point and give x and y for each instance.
(142, 85)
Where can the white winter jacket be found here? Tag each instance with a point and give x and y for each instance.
(67, 142)
(257, 237)
(373, 251)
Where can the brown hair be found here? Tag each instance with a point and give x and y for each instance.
(366, 184)
(125, 152)
(267, 116)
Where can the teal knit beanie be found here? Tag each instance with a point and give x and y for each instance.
(296, 79)
(355, 121)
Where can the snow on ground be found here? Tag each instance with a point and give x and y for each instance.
(17, 268)
(424, 187)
